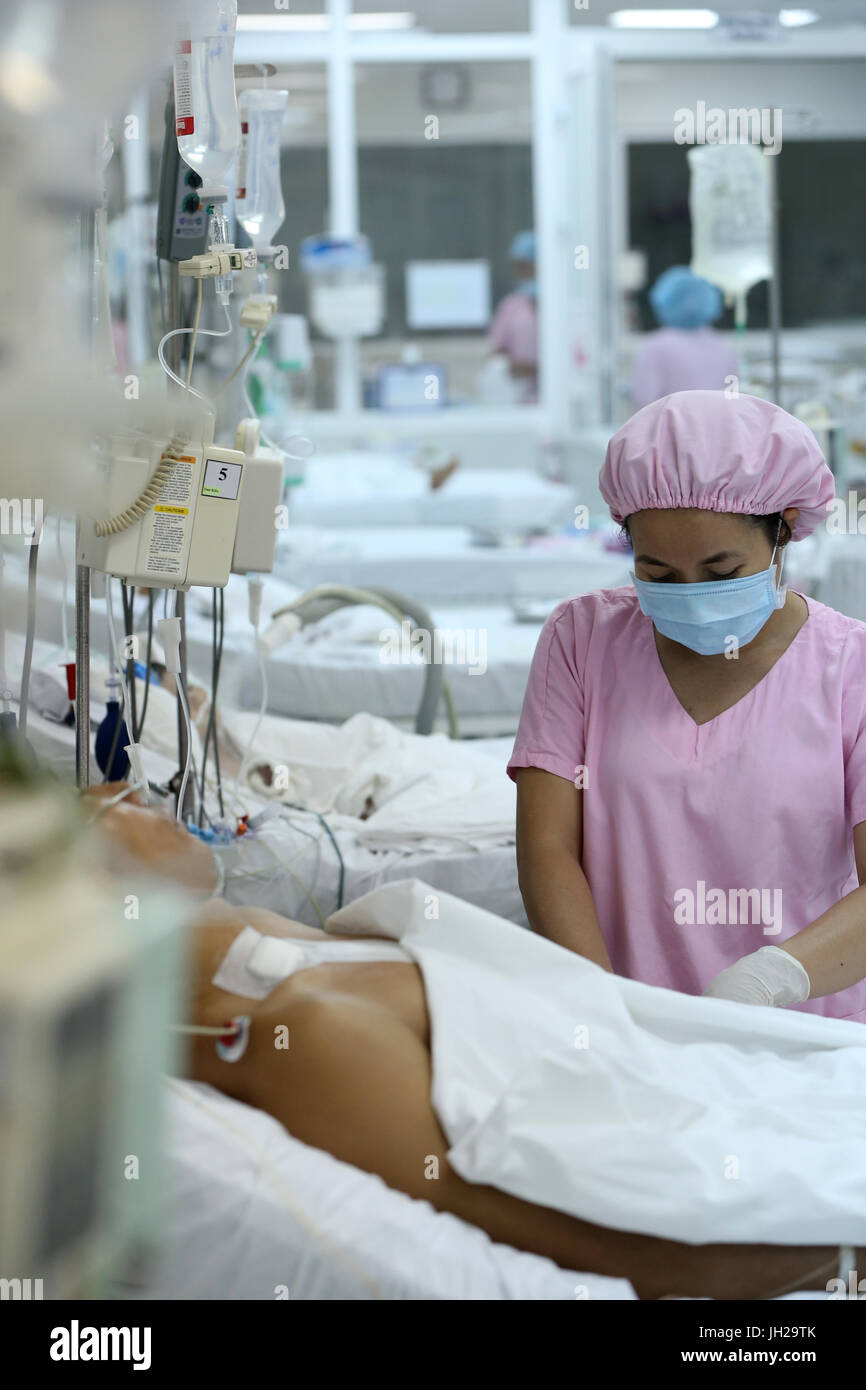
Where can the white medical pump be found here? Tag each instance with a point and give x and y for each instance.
(173, 514)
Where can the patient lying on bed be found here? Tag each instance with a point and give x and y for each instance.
(356, 1082)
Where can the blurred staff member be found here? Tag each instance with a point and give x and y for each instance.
(514, 330)
(685, 354)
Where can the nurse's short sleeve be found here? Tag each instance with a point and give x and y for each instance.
(550, 734)
(854, 729)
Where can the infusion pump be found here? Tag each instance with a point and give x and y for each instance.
(212, 498)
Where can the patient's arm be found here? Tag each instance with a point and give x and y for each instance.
(150, 836)
(356, 1082)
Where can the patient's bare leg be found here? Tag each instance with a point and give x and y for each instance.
(356, 1082)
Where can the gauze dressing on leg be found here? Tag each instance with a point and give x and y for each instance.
(256, 964)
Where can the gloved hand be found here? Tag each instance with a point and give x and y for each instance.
(769, 976)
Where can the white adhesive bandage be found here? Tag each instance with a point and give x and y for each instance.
(256, 964)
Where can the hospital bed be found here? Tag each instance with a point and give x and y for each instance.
(334, 668)
(251, 1213)
(446, 565)
(296, 862)
(291, 865)
(362, 488)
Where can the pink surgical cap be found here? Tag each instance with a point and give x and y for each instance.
(720, 453)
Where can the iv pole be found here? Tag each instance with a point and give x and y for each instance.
(775, 285)
(82, 573)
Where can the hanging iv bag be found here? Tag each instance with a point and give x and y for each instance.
(729, 200)
(259, 202)
(206, 109)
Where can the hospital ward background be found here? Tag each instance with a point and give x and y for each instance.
(343, 346)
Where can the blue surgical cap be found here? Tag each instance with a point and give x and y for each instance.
(681, 299)
(522, 247)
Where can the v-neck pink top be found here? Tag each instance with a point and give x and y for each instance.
(702, 843)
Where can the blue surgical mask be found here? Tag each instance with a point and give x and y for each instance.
(528, 287)
(704, 617)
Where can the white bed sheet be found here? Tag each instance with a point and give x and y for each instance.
(395, 790)
(290, 862)
(290, 866)
(251, 1213)
(358, 488)
(341, 672)
(338, 671)
(626, 1104)
(442, 565)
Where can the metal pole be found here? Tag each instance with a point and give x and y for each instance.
(136, 177)
(343, 187)
(82, 572)
(775, 286)
(180, 599)
(174, 315)
(82, 672)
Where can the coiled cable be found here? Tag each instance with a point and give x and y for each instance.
(171, 456)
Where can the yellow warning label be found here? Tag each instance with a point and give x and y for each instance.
(176, 511)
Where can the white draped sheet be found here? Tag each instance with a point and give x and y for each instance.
(633, 1107)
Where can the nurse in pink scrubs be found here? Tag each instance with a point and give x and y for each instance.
(686, 353)
(514, 329)
(691, 756)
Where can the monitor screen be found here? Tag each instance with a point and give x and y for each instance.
(447, 294)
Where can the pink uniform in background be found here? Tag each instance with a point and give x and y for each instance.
(681, 359)
(514, 329)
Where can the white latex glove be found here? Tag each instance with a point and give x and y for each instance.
(769, 976)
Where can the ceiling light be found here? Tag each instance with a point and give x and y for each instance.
(793, 19)
(663, 19)
(318, 23)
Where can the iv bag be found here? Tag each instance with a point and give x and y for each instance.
(729, 201)
(206, 108)
(259, 196)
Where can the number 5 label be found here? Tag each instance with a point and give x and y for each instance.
(221, 479)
